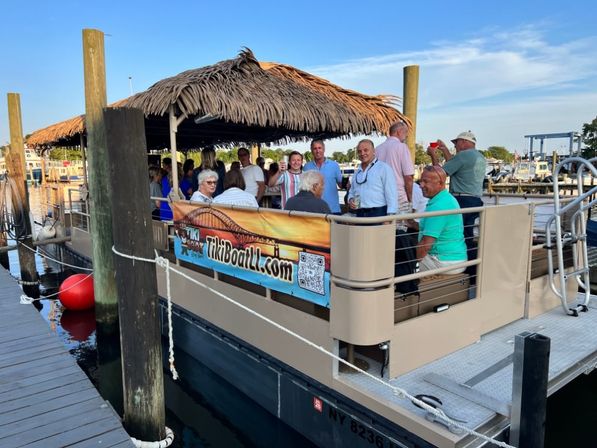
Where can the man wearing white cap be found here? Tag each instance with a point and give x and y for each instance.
(466, 169)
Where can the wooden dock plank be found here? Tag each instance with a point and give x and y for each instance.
(22, 375)
(45, 398)
(40, 387)
(84, 432)
(109, 439)
(47, 432)
(15, 343)
(20, 402)
(56, 418)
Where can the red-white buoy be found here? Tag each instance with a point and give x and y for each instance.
(76, 292)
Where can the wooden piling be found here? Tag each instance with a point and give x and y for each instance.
(4, 260)
(15, 163)
(410, 99)
(144, 412)
(106, 306)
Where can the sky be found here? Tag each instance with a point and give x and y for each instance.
(502, 69)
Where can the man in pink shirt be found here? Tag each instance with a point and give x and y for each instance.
(396, 154)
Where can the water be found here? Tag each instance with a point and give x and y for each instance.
(202, 409)
(206, 411)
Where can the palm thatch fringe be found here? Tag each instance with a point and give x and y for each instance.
(284, 102)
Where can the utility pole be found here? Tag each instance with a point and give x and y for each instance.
(15, 163)
(409, 103)
(140, 338)
(104, 284)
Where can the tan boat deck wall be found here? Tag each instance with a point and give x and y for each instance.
(507, 234)
(500, 297)
(233, 319)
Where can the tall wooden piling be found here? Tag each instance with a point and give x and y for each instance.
(409, 103)
(106, 306)
(144, 413)
(4, 261)
(15, 163)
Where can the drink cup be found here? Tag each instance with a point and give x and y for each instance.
(433, 145)
(356, 199)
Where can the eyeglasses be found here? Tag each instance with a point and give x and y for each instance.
(211, 182)
(438, 170)
(356, 177)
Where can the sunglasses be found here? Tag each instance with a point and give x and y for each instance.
(211, 182)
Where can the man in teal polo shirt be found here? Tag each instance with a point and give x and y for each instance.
(441, 238)
(330, 170)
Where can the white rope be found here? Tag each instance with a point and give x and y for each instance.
(399, 392)
(45, 255)
(164, 263)
(26, 300)
(161, 444)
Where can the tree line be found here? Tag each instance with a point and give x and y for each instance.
(589, 150)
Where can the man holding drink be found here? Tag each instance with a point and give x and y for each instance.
(466, 170)
(373, 190)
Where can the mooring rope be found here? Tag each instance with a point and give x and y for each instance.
(163, 263)
(44, 254)
(160, 444)
(397, 391)
(26, 300)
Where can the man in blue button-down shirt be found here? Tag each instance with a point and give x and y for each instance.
(330, 170)
(373, 191)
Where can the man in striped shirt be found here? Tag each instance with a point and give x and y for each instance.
(288, 176)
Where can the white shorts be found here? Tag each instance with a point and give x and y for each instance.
(430, 262)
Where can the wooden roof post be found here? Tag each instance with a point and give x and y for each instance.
(15, 164)
(173, 124)
(255, 152)
(410, 95)
(100, 210)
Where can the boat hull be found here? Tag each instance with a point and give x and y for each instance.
(322, 415)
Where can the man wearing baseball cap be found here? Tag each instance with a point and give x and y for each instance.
(466, 169)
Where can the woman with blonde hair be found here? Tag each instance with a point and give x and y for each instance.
(209, 162)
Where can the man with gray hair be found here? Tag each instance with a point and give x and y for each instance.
(308, 199)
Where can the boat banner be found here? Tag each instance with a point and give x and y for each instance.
(285, 253)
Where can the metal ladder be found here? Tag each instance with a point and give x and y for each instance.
(576, 238)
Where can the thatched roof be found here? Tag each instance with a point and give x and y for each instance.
(251, 102)
(64, 133)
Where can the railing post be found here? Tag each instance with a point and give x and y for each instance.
(529, 390)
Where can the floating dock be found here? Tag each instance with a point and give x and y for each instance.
(46, 400)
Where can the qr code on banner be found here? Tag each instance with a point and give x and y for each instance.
(311, 270)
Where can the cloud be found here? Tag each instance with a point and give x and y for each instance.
(502, 85)
(483, 67)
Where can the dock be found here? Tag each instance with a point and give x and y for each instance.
(46, 400)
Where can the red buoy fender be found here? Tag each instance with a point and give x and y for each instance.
(76, 292)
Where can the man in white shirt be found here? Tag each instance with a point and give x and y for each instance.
(253, 174)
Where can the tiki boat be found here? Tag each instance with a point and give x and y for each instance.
(308, 314)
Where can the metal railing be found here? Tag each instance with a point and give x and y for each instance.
(78, 208)
(577, 237)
